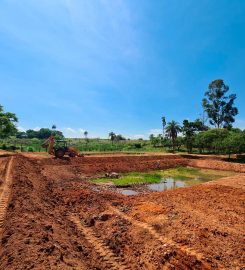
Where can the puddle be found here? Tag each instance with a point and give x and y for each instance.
(128, 192)
(166, 184)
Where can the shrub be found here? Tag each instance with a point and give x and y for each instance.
(137, 145)
(4, 147)
(13, 147)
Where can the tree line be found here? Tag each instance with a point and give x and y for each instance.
(220, 112)
(42, 133)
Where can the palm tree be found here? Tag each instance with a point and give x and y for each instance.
(86, 135)
(172, 130)
(163, 124)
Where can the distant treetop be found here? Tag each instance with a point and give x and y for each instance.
(219, 106)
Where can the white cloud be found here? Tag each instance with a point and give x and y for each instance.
(70, 130)
(138, 136)
(36, 128)
(20, 128)
(155, 131)
(73, 133)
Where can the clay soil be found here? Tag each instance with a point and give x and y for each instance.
(53, 217)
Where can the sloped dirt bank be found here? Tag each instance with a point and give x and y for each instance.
(217, 165)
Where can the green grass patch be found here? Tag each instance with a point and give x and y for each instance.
(132, 178)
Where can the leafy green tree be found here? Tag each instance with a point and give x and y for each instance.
(167, 142)
(160, 139)
(21, 135)
(31, 133)
(58, 134)
(179, 142)
(43, 133)
(200, 142)
(151, 138)
(212, 139)
(154, 140)
(112, 136)
(234, 143)
(119, 137)
(218, 106)
(7, 123)
(172, 130)
(189, 130)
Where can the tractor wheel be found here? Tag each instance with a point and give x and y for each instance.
(72, 154)
(59, 153)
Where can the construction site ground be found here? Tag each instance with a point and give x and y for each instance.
(53, 217)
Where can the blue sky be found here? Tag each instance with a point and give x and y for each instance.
(117, 65)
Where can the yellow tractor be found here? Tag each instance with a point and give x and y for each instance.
(59, 148)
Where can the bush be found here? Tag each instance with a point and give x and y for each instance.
(221, 141)
(137, 145)
(4, 147)
(234, 143)
(13, 148)
(30, 149)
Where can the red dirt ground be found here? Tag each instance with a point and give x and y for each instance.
(54, 218)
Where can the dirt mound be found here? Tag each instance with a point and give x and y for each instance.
(58, 220)
(217, 165)
(96, 165)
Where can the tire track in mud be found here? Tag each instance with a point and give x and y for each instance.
(5, 194)
(181, 249)
(111, 260)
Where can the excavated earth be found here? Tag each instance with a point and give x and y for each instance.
(52, 217)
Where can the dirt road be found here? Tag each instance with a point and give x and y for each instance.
(56, 219)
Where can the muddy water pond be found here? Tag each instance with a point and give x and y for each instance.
(165, 184)
(158, 181)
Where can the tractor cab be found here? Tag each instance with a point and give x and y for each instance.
(60, 144)
(60, 148)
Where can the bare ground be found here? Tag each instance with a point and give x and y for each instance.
(53, 218)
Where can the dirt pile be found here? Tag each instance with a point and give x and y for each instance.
(93, 164)
(56, 219)
(216, 165)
